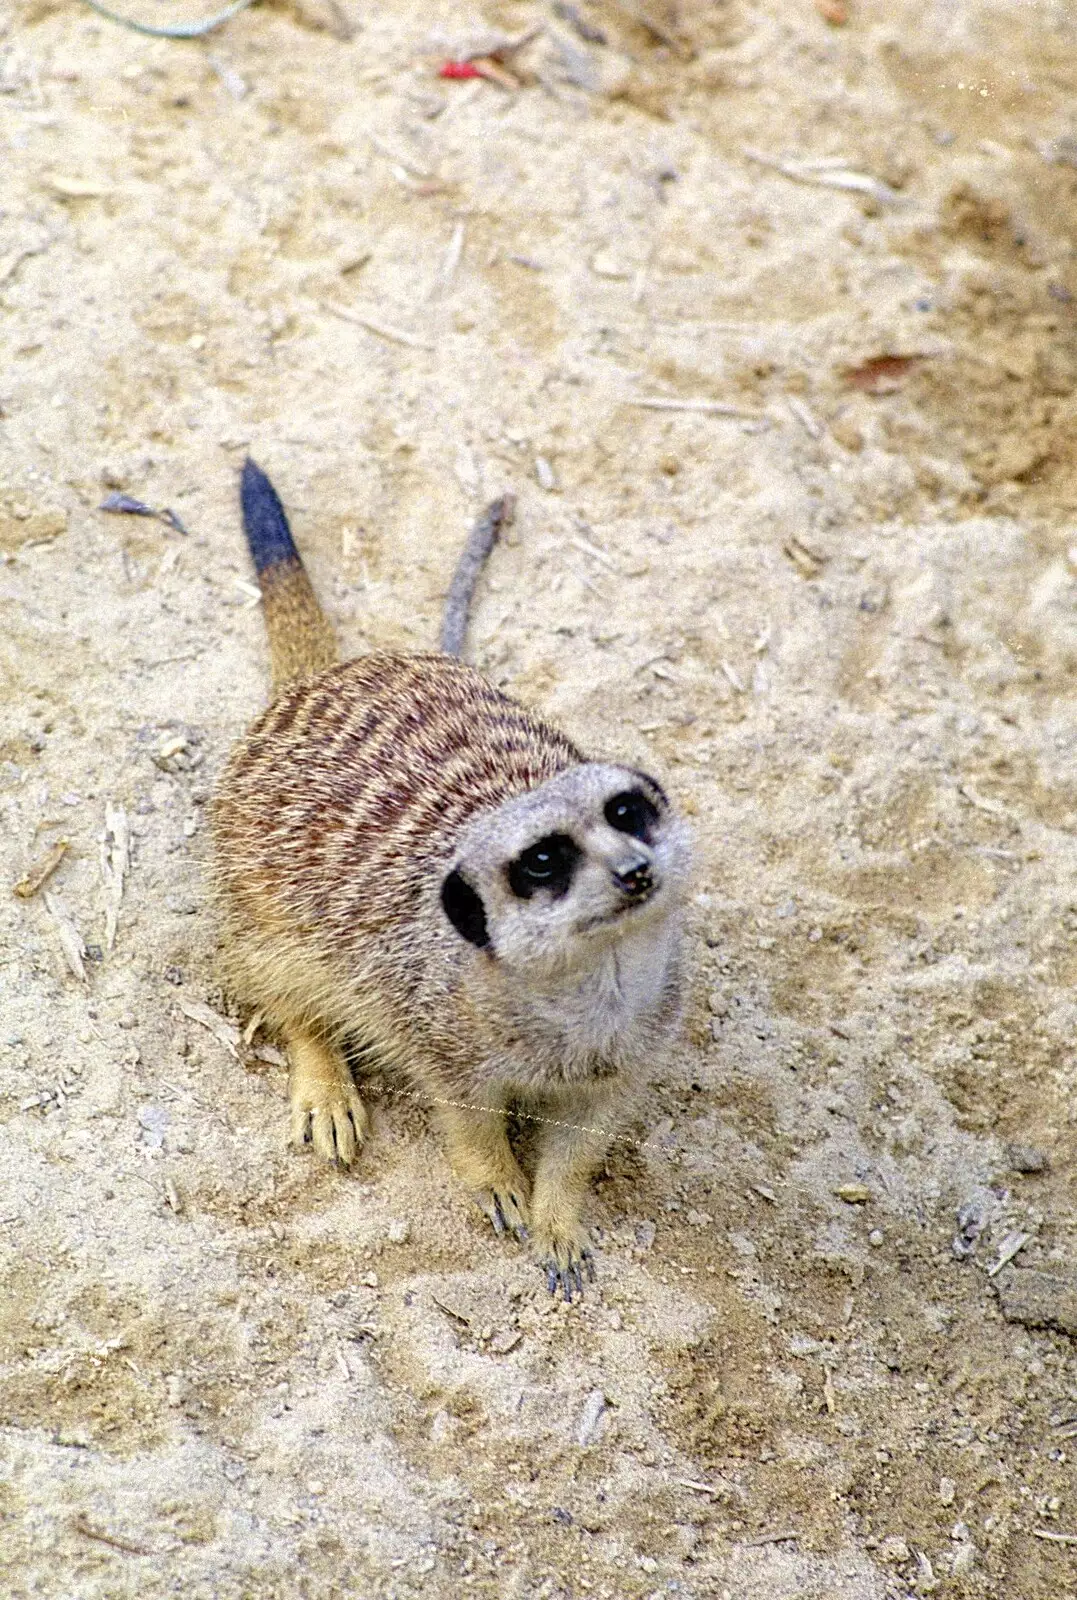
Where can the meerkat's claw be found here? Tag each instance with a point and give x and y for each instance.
(565, 1266)
(336, 1126)
(506, 1211)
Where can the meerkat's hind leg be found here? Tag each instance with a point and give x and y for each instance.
(481, 1157)
(326, 1109)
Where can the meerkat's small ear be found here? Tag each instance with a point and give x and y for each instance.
(465, 910)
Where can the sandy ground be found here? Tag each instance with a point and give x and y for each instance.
(841, 625)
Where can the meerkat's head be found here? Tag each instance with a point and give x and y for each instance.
(549, 878)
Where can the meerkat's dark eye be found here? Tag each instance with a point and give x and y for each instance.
(464, 908)
(549, 864)
(631, 813)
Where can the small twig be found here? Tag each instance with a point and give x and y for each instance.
(382, 329)
(480, 541)
(453, 254)
(703, 1488)
(177, 30)
(226, 1033)
(82, 1525)
(456, 1316)
(825, 176)
(10, 264)
(588, 549)
(1055, 1538)
(1010, 1246)
(651, 24)
(71, 941)
(41, 872)
(127, 505)
(714, 408)
(115, 860)
(769, 1538)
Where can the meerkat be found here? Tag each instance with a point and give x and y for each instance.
(407, 858)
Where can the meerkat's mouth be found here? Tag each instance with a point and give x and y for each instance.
(608, 918)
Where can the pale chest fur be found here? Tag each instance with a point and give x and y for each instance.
(606, 1020)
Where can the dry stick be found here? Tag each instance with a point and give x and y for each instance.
(714, 408)
(382, 329)
(41, 871)
(84, 1526)
(481, 540)
(177, 30)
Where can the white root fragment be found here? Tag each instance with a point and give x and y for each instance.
(115, 860)
(71, 942)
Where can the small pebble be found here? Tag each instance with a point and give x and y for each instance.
(875, 1238)
(1026, 1158)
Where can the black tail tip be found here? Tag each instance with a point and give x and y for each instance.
(264, 521)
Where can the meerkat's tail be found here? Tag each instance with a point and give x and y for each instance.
(301, 642)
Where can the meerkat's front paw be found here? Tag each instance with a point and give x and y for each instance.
(507, 1209)
(332, 1118)
(565, 1256)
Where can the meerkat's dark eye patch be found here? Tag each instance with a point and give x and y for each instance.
(631, 812)
(465, 910)
(548, 864)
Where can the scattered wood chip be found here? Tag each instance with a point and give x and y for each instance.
(373, 325)
(808, 562)
(115, 860)
(590, 1417)
(713, 408)
(658, 30)
(454, 1316)
(82, 1524)
(11, 263)
(71, 941)
(827, 174)
(836, 12)
(41, 871)
(230, 79)
(804, 416)
(1010, 1247)
(993, 807)
(883, 374)
(579, 26)
(714, 1490)
(494, 72)
(828, 1391)
(588, 549)
(453, 254)
(126, 505)
(854, 1194)
(71, 188)
(222, 1030)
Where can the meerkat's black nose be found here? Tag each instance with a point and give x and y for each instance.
(636, 880)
